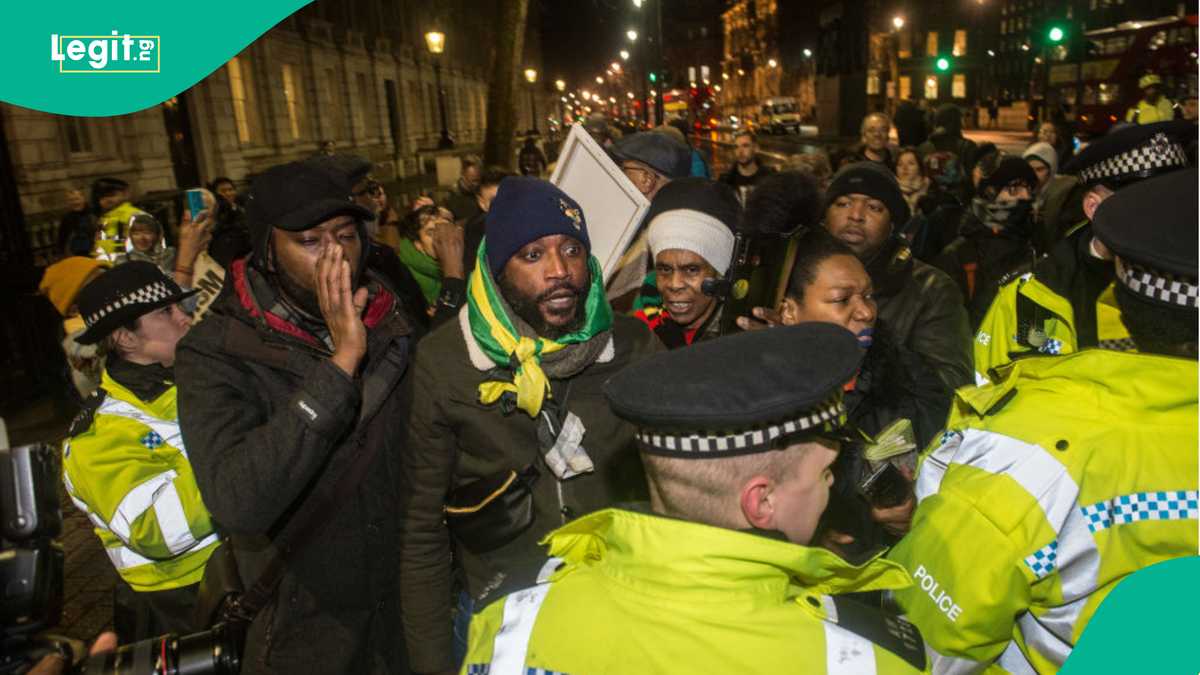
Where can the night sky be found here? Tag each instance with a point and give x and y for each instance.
(579, 37)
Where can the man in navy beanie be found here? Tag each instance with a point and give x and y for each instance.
(509, 436)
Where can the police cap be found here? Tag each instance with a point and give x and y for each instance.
(740, 394)
(1134, 153)
(1151, 227)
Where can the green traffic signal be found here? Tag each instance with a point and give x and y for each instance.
(653, 77)
(1056, 34)
(943, 64)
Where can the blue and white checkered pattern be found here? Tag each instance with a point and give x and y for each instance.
(950, 435)
(1052, 346)
(478, 668)
(1165, 505)
(1044, 560)
(543, 671)
(151, 440)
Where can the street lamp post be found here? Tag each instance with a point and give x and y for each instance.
(561, 86)
(531, 78)
(436, 42)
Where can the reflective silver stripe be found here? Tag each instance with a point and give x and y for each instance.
(933, 467)
(847, 653)
(124, 558)
(172, 520)
(512, 640)
(1013, 660)
(136, 502)
(167, 430)
(1041, 635)
(951, 665)
(1051, 485)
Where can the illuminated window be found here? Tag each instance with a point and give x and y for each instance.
(241, 89)
(904, 48)
(292, 98)
(960, 43)
(931, 87)
(336, 108)
(905, 86)
(931, 44)
(358, 110)
(958, 88)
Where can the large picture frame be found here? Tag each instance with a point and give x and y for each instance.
(611, 204)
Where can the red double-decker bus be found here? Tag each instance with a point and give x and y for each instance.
(1101, 84)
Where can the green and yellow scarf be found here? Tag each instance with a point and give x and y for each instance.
(495, 334)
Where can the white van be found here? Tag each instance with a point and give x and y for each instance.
(780, 115)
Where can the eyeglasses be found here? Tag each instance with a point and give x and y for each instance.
(637, 173)
(372, 188)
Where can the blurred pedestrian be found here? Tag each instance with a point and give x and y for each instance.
(1153, 106)
(462, 201)
(77, 227)
(746, 170)
(873, 140)
(996, 236)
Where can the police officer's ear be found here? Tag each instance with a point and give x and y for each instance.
(1093, 198)
(755, 499)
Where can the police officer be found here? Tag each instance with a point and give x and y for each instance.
(717, 577)
(125, 464)
(1027, 520)
(1065, 302)
(1153, 106)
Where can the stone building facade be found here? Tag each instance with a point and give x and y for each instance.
(356, 72)
(768, 51)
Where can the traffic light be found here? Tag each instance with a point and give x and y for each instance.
(943, 64)
(653, 77)
(1056, 34)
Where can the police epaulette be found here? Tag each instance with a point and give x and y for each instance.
(1021, 270)
(83, 419)
(883, 629)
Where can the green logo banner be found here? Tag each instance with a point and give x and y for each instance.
(99, 59)
(1146, 625)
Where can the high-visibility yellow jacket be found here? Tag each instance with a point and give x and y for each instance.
(1049, 488)
(1026, 303)
(639, 593)
(114, 228)
(129, 472)
(1145, 113)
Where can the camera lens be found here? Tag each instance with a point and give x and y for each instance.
(216, 651)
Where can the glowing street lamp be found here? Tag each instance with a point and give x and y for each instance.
(599, 80)
(560, 85)
(632, 35)
(435, 41)
(531, 78)
(898, 22)
(772, 63)
(624, 54)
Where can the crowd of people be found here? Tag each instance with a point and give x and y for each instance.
(433, 437)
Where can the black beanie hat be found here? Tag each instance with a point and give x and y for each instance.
(1011, 168)
(873, 180)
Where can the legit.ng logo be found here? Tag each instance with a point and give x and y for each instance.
(114, 53)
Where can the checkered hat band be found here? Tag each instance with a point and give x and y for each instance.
(742, 442)
(1168, 289)
(1159, 152)
(150, 293)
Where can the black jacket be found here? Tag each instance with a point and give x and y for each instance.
(924, 311)
(980, 261)
(453, 440)
(267, 416)
(894, 383)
